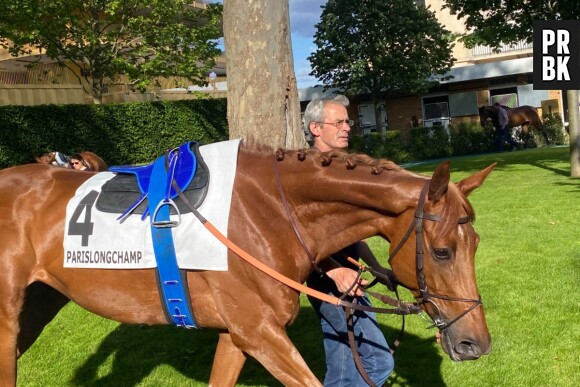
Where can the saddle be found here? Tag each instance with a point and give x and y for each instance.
(180, 170)
(126, 193)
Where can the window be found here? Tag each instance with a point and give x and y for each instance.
(435, 107)
(507, 97)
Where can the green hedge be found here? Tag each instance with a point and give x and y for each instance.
(424, 143)
(133, 133)
(128, 133)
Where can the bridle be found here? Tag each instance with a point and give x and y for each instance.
(425, 296)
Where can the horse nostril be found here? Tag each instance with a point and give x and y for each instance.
(468, 350)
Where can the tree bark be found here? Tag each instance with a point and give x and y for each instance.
(573, 123)
(263, 99)
(378, 123)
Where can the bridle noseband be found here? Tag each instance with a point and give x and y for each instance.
(426, 297)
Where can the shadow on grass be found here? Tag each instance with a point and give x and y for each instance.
(190, 352)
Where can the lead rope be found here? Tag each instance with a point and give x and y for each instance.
(350, 321)
(402, 308)
(354, 349)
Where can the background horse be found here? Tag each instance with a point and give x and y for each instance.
(523, 116)
(336, 199)
(95, 163)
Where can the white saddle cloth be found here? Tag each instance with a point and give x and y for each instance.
(128, 245)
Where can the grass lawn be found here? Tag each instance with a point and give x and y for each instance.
(528, 272)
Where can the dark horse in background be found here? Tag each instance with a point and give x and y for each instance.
(523, 116)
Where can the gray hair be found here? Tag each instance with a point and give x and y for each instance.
(315, 110)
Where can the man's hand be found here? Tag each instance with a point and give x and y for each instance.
(344, 277)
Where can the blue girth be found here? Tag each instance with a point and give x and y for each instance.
(177, 166)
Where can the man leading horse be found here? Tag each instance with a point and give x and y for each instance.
(523, 116)
(502, 132)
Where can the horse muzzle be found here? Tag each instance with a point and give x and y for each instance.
(464, 347)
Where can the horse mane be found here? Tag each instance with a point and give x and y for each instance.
(351, 160)
(377, 166)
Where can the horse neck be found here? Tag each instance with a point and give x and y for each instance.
(336, 206)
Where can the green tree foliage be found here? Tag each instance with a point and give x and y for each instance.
(379, 47)
(101, 39)
(492, 22)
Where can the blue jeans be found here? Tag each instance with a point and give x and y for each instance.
(372, 346)
(504, 135)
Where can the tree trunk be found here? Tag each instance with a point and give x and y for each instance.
(96, 90)
(263, 99)
(573, 124)
(375, 99)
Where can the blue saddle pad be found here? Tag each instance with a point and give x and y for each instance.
(183, 175)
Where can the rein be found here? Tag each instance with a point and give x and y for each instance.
(401, 308)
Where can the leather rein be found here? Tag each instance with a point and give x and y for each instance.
(400, 308)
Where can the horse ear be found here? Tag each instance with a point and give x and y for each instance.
(439, 181)
(467, 185)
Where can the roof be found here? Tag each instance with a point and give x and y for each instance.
(491, 70)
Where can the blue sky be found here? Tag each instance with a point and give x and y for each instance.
(304, 15)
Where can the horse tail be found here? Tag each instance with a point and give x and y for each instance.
(540, 125)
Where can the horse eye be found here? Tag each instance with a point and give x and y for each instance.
(442, 254)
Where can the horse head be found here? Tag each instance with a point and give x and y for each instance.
(487, 113)
(442, 248)
(428, 223)
(53, 158)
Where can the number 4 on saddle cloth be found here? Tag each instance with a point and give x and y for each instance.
(150, 191)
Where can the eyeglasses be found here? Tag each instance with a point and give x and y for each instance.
(75, 162)
(338, 124)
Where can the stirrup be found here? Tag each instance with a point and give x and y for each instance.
(166, 223)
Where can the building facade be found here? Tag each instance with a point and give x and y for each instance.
(481, 76)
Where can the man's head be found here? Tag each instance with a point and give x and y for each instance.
(327, 120)
(496, 104)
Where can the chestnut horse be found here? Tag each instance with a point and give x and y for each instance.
(523, 116)
(335, 200)
(94, 162)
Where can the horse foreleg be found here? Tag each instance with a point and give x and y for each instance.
(227, 363)
(8, 333)
(271, 346)
(41, 304)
